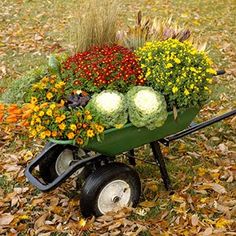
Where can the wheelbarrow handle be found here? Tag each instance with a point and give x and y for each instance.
(56, 182)
(220, 72)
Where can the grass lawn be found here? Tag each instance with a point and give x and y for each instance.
(202, 166)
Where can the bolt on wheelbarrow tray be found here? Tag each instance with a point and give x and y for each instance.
(117, 141)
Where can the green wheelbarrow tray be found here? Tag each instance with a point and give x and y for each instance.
(117, 141)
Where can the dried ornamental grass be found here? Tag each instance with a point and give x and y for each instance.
(97, 26)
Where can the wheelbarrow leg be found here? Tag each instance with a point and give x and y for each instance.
(161, 163)
(131, 157)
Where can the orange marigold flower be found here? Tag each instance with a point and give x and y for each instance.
(11, 119)
(25, 123)
(12, 108)
(63, 117)
(84, 125)
(54, 134)
(2, 107)
(80, 141)
(43, 105)
(79, 125)
(45, 79)
(62, 126)
(62, 103)
(58, 119)
(49, 96)
(48, 133)
(70, 135)
(52, 81)
(26, 114)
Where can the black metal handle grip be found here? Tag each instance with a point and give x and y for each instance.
(220, 72)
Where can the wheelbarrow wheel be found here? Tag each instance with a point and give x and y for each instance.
(58, 161)
(109, 188)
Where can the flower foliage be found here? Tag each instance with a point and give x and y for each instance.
(48, 89)
(109, 108)
(53, 120)
(48, 115)
(108, 67)
(177, 70)
(147, 107)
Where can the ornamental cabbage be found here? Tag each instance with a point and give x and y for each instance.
(109, 108)
(146, 107)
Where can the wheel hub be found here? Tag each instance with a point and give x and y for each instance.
(64, 161)
(114, 196)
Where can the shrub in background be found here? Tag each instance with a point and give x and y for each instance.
(18, 89)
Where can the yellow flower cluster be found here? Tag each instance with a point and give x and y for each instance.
(49, 88)
(178, 70)
(50, 119)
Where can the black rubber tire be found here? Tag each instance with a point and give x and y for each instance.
(103, 176)
(47, 166)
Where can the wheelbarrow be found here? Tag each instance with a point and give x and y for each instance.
(108, 184)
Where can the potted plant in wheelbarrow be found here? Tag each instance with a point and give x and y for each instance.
(108, 100)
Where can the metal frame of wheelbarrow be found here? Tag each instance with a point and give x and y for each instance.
(155, 145)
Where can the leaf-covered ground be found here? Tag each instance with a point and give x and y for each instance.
(202, 166)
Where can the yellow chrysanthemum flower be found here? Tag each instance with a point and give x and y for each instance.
(53, 106)
(73, 127)
(169, 65)
(41, 113)
(90, 133)
(211, 71)
(89, 117)
(186, 92)
(175, 89)
(42, 135)
(49, 112)
(33, 100)
(177, 60)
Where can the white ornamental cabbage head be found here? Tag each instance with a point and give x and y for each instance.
(146, 101)
(108, 101)
(109, 108)
(146, 107)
